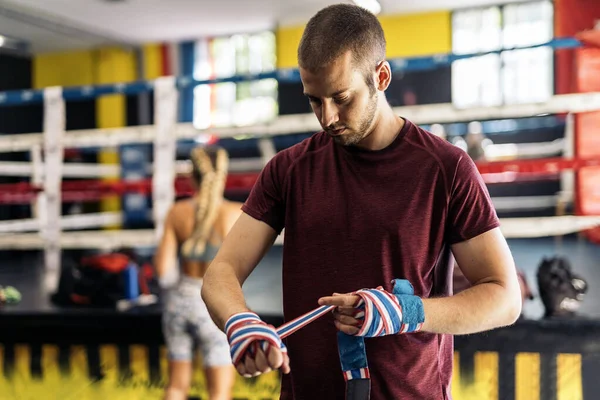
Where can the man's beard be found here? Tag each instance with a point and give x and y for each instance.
(356, 135)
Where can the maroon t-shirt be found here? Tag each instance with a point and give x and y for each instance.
(356, 219)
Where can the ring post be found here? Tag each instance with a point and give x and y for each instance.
(163, 177)
(51, 202)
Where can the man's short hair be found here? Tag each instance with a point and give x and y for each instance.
(338, 28)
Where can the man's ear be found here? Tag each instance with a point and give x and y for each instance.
(383, 75)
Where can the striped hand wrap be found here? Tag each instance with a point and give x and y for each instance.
(383, 313)
(246, 331)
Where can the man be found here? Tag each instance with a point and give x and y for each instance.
(369, 199)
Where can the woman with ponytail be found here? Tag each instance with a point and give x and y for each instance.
(194, 230)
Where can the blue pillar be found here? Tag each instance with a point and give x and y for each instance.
(186, 105)
(135, 162)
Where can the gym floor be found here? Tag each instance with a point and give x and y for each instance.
(23, 270)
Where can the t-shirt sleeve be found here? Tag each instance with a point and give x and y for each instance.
(470, 209)
(266, 201)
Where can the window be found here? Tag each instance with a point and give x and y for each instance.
(513, 76)
(235, 104)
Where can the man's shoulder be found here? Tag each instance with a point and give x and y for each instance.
(433, 147)
(290, 155)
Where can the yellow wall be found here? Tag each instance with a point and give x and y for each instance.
(63, 69)
(89, 67)
(407, 35)
(152, 61)
(113, 65)
(417, 34)
(287, 41)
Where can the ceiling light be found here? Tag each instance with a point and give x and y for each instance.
(1, 41)
(371, 5)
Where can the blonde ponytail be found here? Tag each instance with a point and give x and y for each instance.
(213, 179)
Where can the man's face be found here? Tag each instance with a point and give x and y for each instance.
(341, 99)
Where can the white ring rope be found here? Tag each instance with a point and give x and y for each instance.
(91, 170)
(105, 219)
(167, 131)
(289, 124)
(512, 228)
(66, 222)
(554, 148)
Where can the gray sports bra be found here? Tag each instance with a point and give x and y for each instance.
(209, 253)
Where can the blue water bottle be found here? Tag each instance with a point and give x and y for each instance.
(132, 289)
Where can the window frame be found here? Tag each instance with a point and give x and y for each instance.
(501, 53)
(226, 117)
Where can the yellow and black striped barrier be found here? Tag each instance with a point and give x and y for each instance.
(531, 360)
(103, 372)
(132, 372)
(521, 376)
(104, 356)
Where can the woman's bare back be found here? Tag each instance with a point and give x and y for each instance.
(183, 221)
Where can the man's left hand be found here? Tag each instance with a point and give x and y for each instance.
(347, 318)
(386, 313)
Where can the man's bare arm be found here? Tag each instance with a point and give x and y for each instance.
(242, 250)
(493, 301)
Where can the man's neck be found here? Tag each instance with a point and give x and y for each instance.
(385, 131)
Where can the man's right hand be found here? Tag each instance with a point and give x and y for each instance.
(256, 348)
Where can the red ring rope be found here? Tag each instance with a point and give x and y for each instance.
(94, 190)
(539, 166)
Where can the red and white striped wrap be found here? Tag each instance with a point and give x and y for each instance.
(383, 313)
(246, 331)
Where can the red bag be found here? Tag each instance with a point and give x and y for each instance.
(113, 262)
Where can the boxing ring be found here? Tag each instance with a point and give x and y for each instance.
(47, 172)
